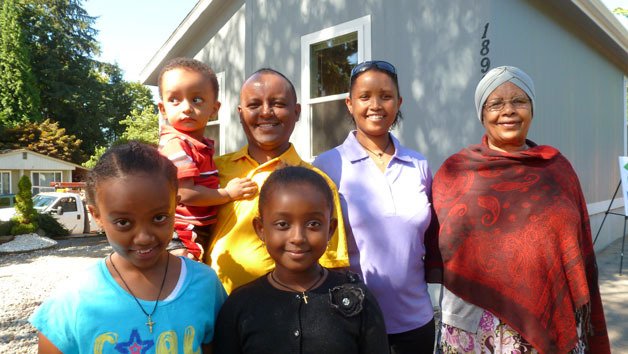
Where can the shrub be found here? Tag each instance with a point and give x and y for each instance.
(51, 226)
(5, 227)
(25, 212)
(26, 216)
(21, 229)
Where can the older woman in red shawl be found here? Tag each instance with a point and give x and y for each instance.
(518, 264)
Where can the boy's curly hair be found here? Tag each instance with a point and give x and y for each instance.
(189, 64)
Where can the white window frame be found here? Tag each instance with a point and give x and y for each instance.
(44, 188)
(223, 113)
(9, 182)
(361, 25)
(625, 115)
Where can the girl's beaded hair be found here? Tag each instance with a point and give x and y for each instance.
(130, 159)
(294, 175)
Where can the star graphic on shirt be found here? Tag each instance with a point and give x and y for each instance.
(135, 345)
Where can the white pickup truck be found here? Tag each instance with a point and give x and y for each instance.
(68, 208)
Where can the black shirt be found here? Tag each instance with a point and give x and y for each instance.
(341, 316)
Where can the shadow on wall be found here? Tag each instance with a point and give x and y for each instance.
(435, 47)
(441, 76)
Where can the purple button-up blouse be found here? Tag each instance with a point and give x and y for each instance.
(386, 216)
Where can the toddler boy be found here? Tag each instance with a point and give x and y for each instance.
(188, 90)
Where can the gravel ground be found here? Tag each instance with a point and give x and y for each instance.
(26, 279)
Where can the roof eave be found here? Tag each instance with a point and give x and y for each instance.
(175, 42)
(22, 150)
(614, 42)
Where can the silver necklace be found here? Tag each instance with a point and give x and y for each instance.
(149, 322)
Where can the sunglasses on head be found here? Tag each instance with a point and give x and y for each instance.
(379, 64)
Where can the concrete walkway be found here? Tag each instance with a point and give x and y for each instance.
(614, 290)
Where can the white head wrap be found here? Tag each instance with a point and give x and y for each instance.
(498, 76)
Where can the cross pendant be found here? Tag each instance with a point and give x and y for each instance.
(150, 324)
(304, 297)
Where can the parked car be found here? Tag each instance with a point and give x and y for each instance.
(68, 208)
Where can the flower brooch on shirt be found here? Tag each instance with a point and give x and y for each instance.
(346, 299)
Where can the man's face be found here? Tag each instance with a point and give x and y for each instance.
(268, 112)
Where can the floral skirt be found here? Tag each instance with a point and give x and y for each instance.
(494, 336)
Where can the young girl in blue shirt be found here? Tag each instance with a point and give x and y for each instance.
(140, 298)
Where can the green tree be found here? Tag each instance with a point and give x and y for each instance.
(62, 43)
(26, 216)
(119, 99)
(19, 96)
(45, 138)
(87, 97)
(139, 125)
(621, 11)
(93, 160)
(54, 141)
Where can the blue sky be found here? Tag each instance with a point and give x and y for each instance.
(131, 31)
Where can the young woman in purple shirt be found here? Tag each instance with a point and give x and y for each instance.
(385, 190)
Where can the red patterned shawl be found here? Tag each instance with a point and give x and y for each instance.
(515, 240)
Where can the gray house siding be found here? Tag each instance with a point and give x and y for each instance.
(225, 52)
(579, 106)
(433, 44)
(436, 48)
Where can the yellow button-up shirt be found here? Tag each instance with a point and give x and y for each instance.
(237, 255)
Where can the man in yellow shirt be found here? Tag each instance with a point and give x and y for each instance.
(268, 112)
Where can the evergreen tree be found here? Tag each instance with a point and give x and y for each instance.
(119, 100)
(85, 97)
(139, 125)
(19, 96)
(55, 142)
(26, 215)
(62, 42)
(45, 138)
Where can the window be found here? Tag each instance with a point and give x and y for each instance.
(67, 204)
(214, 129)
(41, 181)
(327, 59)
(6, 199)
(5, 182)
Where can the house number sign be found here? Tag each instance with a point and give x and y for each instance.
(485, 62)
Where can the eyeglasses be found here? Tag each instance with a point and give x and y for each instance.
(380, 64)
(498, 105)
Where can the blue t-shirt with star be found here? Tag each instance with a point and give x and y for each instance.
(95, 315)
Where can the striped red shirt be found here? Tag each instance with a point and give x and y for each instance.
(194, 159)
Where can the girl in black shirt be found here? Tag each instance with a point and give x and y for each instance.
(300, 306)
